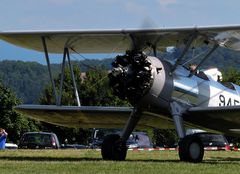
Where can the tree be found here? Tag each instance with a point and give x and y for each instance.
(232, 75)
(95, 90)
(14, 123)
(92, 86)
(68, 96)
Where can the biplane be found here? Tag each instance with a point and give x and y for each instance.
(164, 93)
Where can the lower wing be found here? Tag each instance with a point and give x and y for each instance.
(222, 119)
(92, 116)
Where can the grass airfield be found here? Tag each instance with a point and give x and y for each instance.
(89, 161)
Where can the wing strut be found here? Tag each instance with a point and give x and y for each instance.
(188, 44)
(154, 50)
(73, 77)
(66, 54)
(62, 77)
(205, 58)
(49, 68)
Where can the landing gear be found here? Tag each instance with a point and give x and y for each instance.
(113, 148)
(191, 149)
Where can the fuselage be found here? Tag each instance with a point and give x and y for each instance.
(151, 84)
(199, 89)
(191, 90)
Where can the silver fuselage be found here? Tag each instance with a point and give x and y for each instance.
(191, 89)
(203, 91)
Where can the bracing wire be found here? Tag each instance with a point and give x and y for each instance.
(84, 58)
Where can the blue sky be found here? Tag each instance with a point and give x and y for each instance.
(108, 14)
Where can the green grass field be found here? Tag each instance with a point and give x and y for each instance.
(89, 161)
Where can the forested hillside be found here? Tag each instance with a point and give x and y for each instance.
(28, 79)
(224, 59)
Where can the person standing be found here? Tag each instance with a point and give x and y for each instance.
(3, 138)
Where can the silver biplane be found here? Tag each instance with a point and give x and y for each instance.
(164, 93)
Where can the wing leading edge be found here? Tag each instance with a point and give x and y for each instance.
(91, 116)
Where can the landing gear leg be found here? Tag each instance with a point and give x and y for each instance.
(190, 147)
(114, 147)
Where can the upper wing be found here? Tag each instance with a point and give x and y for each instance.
(91, 116)
(224, 119)
(109, 41)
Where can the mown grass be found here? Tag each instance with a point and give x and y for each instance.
(89, 161)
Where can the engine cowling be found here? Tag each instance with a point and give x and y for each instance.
(141, 79)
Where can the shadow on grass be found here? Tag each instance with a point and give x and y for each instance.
(27, 158)
(214, 160)
(220, 160)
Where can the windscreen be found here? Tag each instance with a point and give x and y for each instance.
(36, 139)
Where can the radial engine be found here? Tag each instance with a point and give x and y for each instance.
(142, 80)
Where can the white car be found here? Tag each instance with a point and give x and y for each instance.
(11, 146)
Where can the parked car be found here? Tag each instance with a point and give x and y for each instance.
(11, 146)
(210, 139)
(98, 136)
(214, 140)
(136, 139)
(39, 140)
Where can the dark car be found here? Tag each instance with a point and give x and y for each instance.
(214, 140)
(39, 140)
(136, 139)
(98, 136)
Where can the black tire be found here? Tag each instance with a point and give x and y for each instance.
(113, 148)
(191, 149)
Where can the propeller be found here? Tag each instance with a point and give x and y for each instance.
(131, 76)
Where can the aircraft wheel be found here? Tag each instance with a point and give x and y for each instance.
(113, 148)
(191, 149)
